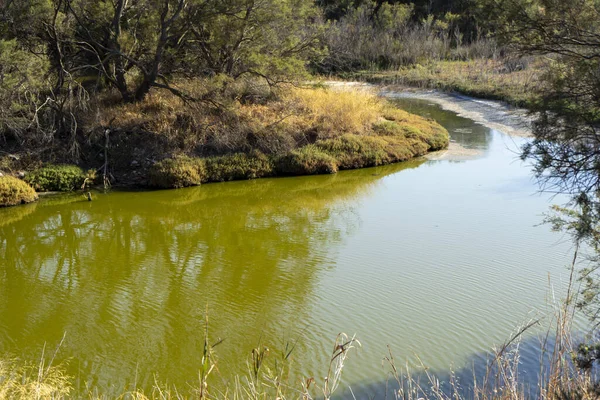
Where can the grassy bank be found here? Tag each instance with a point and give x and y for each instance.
(243, 133)
(514, 81)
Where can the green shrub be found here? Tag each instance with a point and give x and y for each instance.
(307, 160)
(14, 191)
(177, 173)
(238, 166)
(56, 178)
(355, 151)
(387, 128)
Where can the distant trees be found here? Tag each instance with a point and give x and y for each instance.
(388, 34)
(471, 17)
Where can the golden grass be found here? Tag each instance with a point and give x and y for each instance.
(483, 78)
(334, 113)
(14, 191)
(300, 131)
(19, 380)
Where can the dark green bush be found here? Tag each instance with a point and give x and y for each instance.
(14, 191)
(56, 178)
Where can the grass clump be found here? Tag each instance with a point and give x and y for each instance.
(22, 381)
(57, 178)
(334, 113)
(14, 191)
(308, 160)
(238, 166)
(177, 173)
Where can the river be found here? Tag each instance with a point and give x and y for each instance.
(441, 258)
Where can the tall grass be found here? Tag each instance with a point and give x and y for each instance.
(327, 130)
(516, 81)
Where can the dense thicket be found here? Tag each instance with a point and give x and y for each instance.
(56, 55)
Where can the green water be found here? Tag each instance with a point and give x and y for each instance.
(437, 259)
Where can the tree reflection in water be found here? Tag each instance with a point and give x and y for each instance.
(129, 276)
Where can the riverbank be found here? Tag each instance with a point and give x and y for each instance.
(271, 257)
(167, 142)
(516, 82)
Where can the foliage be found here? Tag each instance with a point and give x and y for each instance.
(14, 191)
(386, 35)
(177, 173)
(97, 43)
(308, 160)
(238, 166)
(57, 178)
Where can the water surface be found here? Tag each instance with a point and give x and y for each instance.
(438, 258)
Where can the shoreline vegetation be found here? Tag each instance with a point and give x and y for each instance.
(162, 142)
(175, 93)
(268, 373)
(513, 81)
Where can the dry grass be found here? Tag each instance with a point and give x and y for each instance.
(334, 113)
(509, 80)
(305, 131)
(35, 382)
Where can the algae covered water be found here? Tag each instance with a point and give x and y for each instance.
(439, 258)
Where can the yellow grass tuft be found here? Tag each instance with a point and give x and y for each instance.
(14, 191)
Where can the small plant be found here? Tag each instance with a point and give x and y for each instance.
(177, 173)
(14, 191)
(57, 178)
(90, 178)
(308, 160)
(238, 166)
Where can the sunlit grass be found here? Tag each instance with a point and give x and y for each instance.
(484, 78)
(306, 131)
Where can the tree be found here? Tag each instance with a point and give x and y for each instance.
(134, 45)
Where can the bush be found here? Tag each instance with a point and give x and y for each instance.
(177, 173)
(238, 166)
(333, 113)
(353, 151)
(399, 122)
(308, 160)
(14, 191)
(56, 178)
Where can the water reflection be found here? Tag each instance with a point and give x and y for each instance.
(462, 130)
(129, 276)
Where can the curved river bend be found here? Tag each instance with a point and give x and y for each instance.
(439, 258)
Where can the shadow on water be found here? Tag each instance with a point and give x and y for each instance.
(130, 275)
(531, 357)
